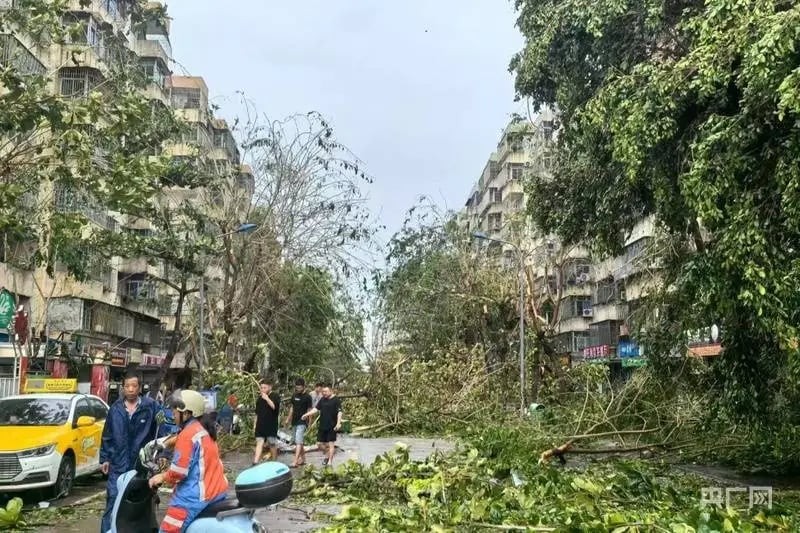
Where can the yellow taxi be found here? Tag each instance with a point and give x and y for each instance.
(47, 439)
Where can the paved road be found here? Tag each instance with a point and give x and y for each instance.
(84, 488)
(285, 518)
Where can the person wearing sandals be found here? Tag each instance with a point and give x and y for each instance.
(301, 404)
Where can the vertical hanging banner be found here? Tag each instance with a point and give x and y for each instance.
(6, 308)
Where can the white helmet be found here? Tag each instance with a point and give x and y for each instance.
(189, 400)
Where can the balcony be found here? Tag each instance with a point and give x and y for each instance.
(91, 56)
(14, 54)
(109, 11)
(154, 91)
(606, 312)
(151, 49)
(71, 201)
(513, 188)
(572, 324)
(576, 290)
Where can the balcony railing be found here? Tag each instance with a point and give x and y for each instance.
(13, 53)
(71, 201)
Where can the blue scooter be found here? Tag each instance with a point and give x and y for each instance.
(258, 487)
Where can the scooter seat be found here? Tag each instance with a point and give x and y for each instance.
(228, 504)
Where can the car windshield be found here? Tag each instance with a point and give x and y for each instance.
(34, 412)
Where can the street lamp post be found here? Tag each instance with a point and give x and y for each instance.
(521, 260)
(244, 228)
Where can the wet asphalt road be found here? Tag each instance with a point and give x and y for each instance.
(288, 517)
(84, 487)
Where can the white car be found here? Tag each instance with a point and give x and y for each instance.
(47, 440)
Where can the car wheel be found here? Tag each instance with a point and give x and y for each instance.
(66, 477)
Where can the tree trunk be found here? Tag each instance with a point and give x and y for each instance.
(174, 342)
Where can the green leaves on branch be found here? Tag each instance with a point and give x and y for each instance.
(470, 491)
(686, 112)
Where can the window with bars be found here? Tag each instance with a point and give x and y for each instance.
(574, 306)
(606, 332)
(572, 341)
(153, 72)
(78, 82)
(14, 54)
(186, 98)
(197, 135)
(609, 291)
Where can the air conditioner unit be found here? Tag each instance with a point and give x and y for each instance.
(588, 312)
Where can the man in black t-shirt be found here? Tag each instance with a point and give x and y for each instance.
(330, 421)
(268, 405)
(301, 404)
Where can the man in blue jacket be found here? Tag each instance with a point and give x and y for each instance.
(131, 423)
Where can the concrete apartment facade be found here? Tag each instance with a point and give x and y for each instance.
(120, 307)
(597, 300)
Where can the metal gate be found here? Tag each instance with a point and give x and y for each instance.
(9, 386)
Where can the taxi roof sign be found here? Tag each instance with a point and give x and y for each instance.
(59, 385)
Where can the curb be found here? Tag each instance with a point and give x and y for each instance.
(87, 499)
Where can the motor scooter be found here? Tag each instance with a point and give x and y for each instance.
(258, 487)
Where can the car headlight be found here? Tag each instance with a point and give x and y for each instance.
(38, 452)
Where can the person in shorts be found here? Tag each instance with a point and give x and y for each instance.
(268, 405)
(329, 408)
(301, 404)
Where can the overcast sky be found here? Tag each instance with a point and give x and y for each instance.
(418, 89)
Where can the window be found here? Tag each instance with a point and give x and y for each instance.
(516, 172)
(82, 408)
(140, 232)
(113, 8)
(78, 82)
(574, 306)
(609, 292)
(495, 221)
(99, 409)
(547, 129)
(636, 249)
(604, 333)
(153, 72)
(186, 98)
(33, 412)
(495, 195)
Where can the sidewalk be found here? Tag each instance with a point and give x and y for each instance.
(286, 517)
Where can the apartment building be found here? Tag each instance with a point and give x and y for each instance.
(120, 308)
(592, 305)
(561, 278)
(622, 285)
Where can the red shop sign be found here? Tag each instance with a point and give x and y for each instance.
(596, 352)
